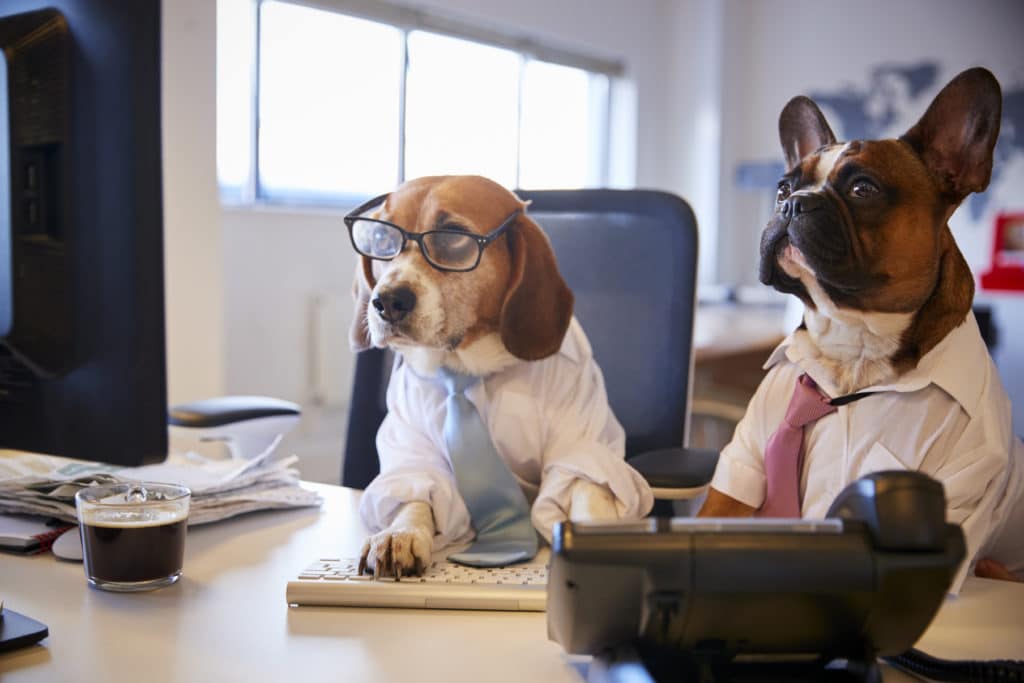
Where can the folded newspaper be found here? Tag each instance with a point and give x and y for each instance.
(46, 485)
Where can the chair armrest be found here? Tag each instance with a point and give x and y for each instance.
(677, 473)
(223, 410)
(250, 426)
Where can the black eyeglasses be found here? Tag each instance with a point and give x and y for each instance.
(449, 249)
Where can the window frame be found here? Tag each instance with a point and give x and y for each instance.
(408, 20)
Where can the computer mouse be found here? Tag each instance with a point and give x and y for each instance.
(902, 510)
(68, 545)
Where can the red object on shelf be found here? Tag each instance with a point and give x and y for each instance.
(1007, 270)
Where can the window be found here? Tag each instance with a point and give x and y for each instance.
(563, 127)
(461, 108)
(235, 46)
(328, 102)
(318, 106)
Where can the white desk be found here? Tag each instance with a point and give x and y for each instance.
(226, 620)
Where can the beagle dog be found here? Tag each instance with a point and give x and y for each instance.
(860, 235)
(499, 311)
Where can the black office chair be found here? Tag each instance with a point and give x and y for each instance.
(630, 257)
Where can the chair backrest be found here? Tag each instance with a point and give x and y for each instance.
(630, 257)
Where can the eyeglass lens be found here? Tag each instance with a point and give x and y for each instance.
(445, 249)
(376, 239)
(451, 250)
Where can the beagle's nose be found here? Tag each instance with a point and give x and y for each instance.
(394, 304)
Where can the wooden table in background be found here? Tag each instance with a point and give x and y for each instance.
(731, 344)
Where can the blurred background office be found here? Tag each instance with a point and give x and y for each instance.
(352, 96)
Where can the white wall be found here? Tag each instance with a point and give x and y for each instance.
(194, 274)
(275, 262)
(691, 135)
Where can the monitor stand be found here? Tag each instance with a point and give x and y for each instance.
(641, 662)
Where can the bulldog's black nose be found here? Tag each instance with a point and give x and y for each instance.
(395, 304)
(802, 203)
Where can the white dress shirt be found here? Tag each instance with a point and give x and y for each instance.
(549, 420)
(949, 418)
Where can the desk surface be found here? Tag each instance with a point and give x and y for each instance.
(227, 619)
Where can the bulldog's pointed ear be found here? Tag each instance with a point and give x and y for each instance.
(363, 283)
(538, 304)
(802, 129)
(957, 134)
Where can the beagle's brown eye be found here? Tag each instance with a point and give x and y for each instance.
(784, 190)
(863, 189)
(450, 249)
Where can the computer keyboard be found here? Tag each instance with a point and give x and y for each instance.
(444, 585)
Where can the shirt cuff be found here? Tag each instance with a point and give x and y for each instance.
(389, 491)
(740, 481)
(633, 497)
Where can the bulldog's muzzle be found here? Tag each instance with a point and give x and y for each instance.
(801, 205)
(813, 223)
(816, 227)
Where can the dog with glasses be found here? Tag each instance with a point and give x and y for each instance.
(498, 423)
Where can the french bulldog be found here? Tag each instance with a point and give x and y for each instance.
(860, 234)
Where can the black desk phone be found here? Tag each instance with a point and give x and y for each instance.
(757, 599)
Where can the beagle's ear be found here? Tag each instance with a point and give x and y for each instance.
(538, 304)
(362, 286)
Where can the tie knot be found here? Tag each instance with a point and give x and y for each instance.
(455, 382)
(808, 404)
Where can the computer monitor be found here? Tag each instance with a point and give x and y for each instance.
(82, 361)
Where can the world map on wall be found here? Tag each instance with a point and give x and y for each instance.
(889, 103)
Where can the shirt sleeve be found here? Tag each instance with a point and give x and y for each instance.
(972, 485)
(740, 472)
(585, 441)
(413, 467)
(1006, 543)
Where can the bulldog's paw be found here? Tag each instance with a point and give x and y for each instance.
(991, 569)
(397, 552)
(591, 502)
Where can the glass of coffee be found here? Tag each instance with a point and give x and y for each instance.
(133, 534)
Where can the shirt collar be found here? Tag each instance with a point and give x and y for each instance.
(954, 365)
(574, 346)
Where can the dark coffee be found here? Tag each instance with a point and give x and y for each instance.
(127, 554)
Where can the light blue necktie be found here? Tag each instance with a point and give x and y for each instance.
(498, 510)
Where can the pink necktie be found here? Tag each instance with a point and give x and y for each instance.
(783, 457)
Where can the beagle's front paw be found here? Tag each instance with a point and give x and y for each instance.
(404, 548)
(397, 553)
(591, 502)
